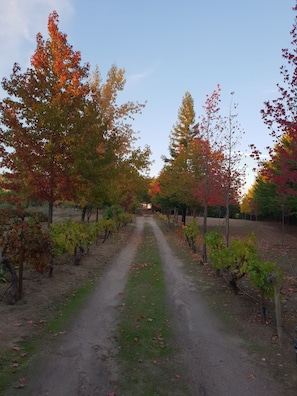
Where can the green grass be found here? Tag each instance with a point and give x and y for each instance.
(69, 307)
(148, 354)
(13, 362)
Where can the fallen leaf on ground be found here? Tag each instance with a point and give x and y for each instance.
(22, 383)
(60, 333)
(16, 348)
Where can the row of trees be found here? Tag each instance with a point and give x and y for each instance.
(274, 194)
(63, 135)
(204, 168)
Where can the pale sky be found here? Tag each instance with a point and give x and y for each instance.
(166, 49)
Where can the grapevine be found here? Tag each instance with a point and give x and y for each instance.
(191, 231)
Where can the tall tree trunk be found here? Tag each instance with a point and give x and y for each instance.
(184, 215)
(21, 269)
(227, 224)
(50, 213)
(51, 202)
(263, 309)
(176, 216)
(89, 213)
(283, 224)
(83, 213)
(50, 208)
(86, 211)
(205, 213)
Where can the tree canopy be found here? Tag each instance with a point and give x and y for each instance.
(63, 134)
(200, 171)
(276, 186)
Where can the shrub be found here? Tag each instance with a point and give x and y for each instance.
(191, 231)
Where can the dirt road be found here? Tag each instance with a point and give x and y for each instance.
(83, 361)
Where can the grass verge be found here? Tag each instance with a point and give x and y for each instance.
(149, 357)
(14, 361)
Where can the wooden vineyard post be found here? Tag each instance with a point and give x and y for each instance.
(272, 278)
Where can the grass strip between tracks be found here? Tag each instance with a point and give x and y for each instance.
(149, 358)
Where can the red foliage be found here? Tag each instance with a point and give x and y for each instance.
(209, 188)
(154, 188)
(280, 117)
(281, 169)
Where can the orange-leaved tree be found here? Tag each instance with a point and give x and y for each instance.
(42, 120)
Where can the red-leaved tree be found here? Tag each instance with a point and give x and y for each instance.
(280, 115)
(209, 130)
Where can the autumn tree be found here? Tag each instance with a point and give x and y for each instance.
(123, 165)
(279, 173)
(276, 189)
(209, 130)
(281, 168)
(280, 113)
(115, 117)
(167, 196)
(245, 204)
(154, 193)
(93, 161)
(265, 199)
(64, 135)
(222, 169)
(43, 120)
(175, 179)
(130, 188)
(182, 132)
(233, 170)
